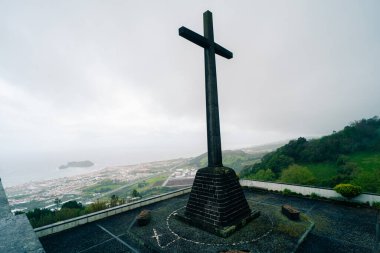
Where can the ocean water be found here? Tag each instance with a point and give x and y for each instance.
(17, 169)
(19, 172)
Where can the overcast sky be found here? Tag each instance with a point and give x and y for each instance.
(114, 77)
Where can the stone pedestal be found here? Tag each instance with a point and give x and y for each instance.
(217, 203)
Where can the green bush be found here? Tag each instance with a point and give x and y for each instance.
(376, 205)
(287, 192)
(314, 195)
(348, 190)
(291, 193)
(97, 206)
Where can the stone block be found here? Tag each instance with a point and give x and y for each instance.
(290, 212)
(143, 218)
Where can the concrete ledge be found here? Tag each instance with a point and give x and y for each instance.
(77, 221)
(308, 190)
(4, 205)
(16, 233)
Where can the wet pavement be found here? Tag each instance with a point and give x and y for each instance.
(338, 228)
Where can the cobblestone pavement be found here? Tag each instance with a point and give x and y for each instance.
(338, 228)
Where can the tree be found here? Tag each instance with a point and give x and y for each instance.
(294, 148)
(342, 160)
(278, 161)
(296, 174)
(135, 193)
(114, 200)
(264, 175)
(73, 204)
(57, 201)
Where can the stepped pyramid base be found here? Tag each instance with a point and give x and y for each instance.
(217, 203)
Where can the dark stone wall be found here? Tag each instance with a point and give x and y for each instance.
(217, 198)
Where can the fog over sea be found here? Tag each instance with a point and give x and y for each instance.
(37, 170)
(37, 167)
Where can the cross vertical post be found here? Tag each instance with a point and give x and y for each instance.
(214, 147)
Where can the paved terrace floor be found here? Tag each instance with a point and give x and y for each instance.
(338, 228)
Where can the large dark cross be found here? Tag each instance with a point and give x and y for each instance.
(212, 109)
(216, 202)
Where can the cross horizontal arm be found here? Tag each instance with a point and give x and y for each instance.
(222, 51)
(203, 42)
(193, 37)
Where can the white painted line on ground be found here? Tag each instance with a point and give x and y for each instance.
(117, 238)
(130, 225)
(96, 245)
(311, 208)
(157, 237)
(177, 237)
(166, 181)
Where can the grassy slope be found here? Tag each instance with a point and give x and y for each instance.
(322, 171)
(146, 187)
(366, 162)
(104, 186)
(366, 173)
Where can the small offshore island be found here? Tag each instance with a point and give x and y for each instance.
(80, 164)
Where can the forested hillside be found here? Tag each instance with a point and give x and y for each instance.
(351, 155)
